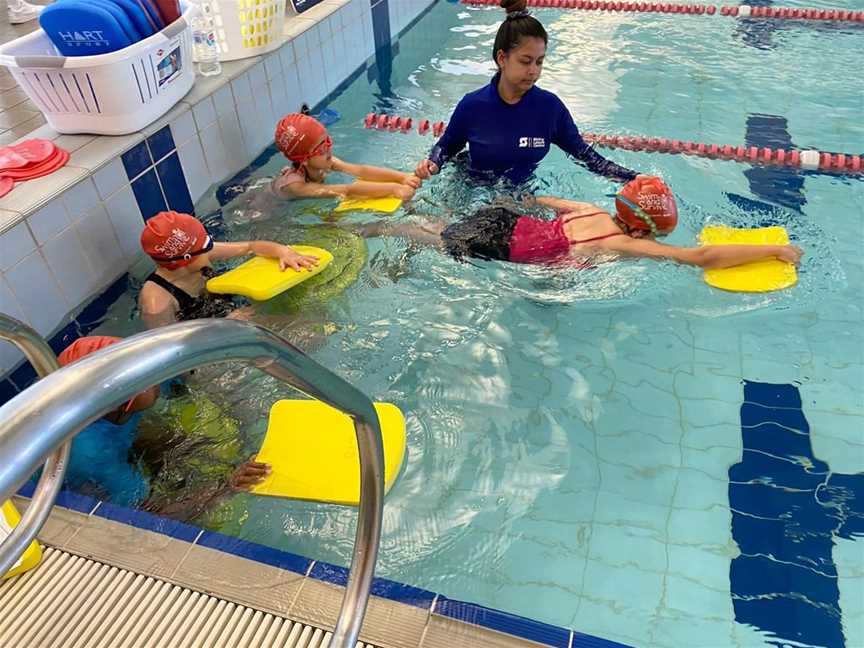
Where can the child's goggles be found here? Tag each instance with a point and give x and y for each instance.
(208, 245)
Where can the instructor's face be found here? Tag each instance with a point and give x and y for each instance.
(521, 66)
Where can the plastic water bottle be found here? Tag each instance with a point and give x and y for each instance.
(204, 39)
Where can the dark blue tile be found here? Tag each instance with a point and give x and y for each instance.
(174, 185)
(503, 622)
(28, 488)
(588, 641)
(76, 502)
(8, 391)
(23, 376)
(381, 587)
(148, 195)
(256, 552)
(144, 520)
(94, 313)
(64, 338)
(136, 160)
(161, 143)
(381, 24)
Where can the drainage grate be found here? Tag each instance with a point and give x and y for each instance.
(72, 602)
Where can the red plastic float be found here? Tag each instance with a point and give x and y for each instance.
(833, 162)
(781, 13)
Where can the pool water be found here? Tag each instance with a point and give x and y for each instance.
(624, 451)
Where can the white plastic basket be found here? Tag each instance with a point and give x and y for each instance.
(245, 28)
(108, 94)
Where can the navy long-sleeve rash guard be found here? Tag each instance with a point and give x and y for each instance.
(512, 139)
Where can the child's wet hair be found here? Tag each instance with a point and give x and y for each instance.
(485, 234)
(516, 26)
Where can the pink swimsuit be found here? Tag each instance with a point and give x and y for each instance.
(536, 239)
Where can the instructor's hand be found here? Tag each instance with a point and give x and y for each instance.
(426, 169)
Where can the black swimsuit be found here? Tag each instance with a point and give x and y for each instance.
(205, 305)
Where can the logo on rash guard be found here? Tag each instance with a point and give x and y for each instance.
(532, 142)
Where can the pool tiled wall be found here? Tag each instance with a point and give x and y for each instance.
(70, 241)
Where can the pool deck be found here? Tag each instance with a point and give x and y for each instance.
(173, 567)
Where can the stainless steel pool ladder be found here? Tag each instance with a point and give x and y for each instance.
(38, 424)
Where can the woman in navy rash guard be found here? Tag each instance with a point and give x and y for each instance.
(510, 124)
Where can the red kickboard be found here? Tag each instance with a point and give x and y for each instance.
(6, 185)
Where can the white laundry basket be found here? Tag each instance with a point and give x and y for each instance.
(245, 28)
(107, 94)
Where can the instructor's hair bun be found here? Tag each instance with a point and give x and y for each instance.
(513, 6)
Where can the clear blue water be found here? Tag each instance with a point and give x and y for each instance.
(571, 434)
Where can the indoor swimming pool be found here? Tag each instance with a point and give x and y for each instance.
(622, 450)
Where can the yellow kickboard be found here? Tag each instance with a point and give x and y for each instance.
(261, 279)
(759, 276)
(384, 205)
(312, 451)
(9, 519)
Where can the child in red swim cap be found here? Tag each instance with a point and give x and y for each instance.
(100, 464)
(645, 209)
(305, 142)
(183, 252)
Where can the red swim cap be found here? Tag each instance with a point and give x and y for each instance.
(646, 203)
(84, 346)
(171, 239)
(301, 137)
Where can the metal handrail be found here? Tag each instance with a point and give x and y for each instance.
(44, 362)
(59, 406)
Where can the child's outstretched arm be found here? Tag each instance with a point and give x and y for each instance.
(359, 189)
(708, 256)
(287, 256)
(376, 174)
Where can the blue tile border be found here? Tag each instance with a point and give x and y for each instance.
(147, 521)
(28, 489)
(511, 624)
(255, 551)
(381, 587)
(471, 613)
(81, 503)
(588, 641)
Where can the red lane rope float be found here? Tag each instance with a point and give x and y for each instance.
(740, 11)
(807, 159)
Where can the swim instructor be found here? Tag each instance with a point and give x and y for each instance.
(510, 124)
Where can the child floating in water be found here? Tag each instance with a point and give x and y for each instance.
(645, 209)
(99, 461)
(305, 142)
(183, 251)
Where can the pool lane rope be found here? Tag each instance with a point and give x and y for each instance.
(739, 11)
(810, 160)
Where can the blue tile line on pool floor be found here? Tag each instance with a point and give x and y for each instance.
(787, 509)
(439, 605)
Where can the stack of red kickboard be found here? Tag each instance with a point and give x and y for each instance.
(30, 159)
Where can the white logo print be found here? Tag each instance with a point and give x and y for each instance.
(532, 142)
(177, 243)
